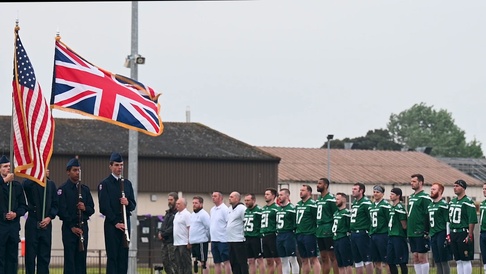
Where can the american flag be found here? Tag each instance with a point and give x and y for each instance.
(83, 88)
(33, 125)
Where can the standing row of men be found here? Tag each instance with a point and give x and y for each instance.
(74, 205)
(376, 233)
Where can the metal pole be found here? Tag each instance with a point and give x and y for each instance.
(133, 149)
(329, 159)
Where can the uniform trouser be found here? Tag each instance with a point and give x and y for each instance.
(74, 260)
(116, 252)
(183, 259)
(9, 246)
(37, 247)
(168, 258)
(238, 257)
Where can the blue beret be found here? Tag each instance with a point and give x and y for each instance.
(71, 163)
(116, 157)
(4, 160)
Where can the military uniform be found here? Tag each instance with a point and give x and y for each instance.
(68, 193)
(109, 194)
(9, 229)
(38, 241)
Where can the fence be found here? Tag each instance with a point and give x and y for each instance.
(96, 263)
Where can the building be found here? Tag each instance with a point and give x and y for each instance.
(189, 158)
(371, 167)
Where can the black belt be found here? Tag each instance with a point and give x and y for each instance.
(455, 230)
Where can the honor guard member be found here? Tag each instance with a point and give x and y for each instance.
(482, 235)
(462, 218)
(12, 207)
(341, 230)
(253, 237)
(360, 224)
(111, 206)
(418, 225)
(397, 250)
(74, 226)
(286, 243)
(326, 206)
(306, 222)
(439, 229)
(269, 231)
(380, 215)
(38, 227)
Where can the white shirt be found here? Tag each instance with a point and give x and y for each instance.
(219, 218)
(236, 221)
(199, 232)
(181, 227)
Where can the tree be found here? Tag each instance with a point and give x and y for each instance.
(423, 126)
(379, 139)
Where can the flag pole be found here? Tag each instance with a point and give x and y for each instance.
(12, 160)
(133, 147)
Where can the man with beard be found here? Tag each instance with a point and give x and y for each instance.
(341, 229)
(286, 244)
(439, 227)
(326, 206)
(418, 225)
(462, 218)
(199, 234)
(397, 250)
(306, 222)
(253, 237)
(165, 234)
(360, 224)
(379, 213)
(269, 231)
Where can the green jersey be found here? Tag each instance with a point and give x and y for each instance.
(326, 206)
(397, 215)
(286, 218)
(269, 219)
(438, 216)
(379, 215)
(340, 226)
(462, 213)
(253, 219)
(360, 214)
(482, 208)
(417, 214)
(305, 218)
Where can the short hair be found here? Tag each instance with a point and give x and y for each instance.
(219, 193)
(420, 177)
(253, 197)
(199, 198)
(309, 188)
(174, 195)
(361, 187)
(286, 190)
(272, 190)
(325, 180)
(342, 194)
(441, 187)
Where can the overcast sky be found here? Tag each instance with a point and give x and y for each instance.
(274, 72)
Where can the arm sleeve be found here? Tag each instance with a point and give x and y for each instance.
(89, 203)
(105, 208)
(54, 201)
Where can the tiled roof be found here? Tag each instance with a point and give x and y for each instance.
(179, 140)
(366, 166)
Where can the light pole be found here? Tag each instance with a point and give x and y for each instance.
(329, 138)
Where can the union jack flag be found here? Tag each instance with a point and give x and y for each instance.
(33, 125)
(81, 87)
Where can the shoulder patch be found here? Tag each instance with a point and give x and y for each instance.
(59, 192)
(100, 187)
